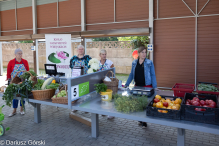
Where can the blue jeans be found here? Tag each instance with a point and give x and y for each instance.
(15, 103)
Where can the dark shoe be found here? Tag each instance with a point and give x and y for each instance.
(144, 125)
(139, 123)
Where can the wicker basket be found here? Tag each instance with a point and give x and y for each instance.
(43, 94)
(113, 85)
(62, 100)
(18, 80)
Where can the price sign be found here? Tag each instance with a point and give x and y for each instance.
(79, 90)
(76, 73)
(150, 47)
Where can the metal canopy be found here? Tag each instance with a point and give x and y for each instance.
(86, 34)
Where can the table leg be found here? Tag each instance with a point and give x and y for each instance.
(37, 113)
(94, 125)
(180, 137)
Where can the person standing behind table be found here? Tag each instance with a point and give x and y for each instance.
(81, 59)
(14, 66)
(104, 65)
(143, 73)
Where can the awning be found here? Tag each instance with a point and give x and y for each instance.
(86, 34)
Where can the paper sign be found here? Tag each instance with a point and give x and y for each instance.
(79, 90)
(150, 47)
(76, 73)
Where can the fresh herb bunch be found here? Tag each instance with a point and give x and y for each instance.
(13, 90)
(129, 103)
(207, 87)
(53, 86)
(100, 87)
(26, 75)
(39, 84)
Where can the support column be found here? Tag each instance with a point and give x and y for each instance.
(180, 137)
(34, 16)
(83, 16)
(37, 113)
(94, 125)
(151, 26)
(1, 60)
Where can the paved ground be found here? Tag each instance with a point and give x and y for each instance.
(58, 129)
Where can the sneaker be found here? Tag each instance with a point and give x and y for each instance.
(144, 125)
(139, 123)
(22, 113)
(74, 110)
(12, 114)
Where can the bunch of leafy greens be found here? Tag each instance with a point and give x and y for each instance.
(100, 87)
(39, 84)
(22, 90)
(26, 75)
(130, 103)
(1, 114)
(207, 87)
(53, 86)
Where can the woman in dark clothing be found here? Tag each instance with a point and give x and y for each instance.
(143, 73)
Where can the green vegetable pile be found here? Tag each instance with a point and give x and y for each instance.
(22, 90)
(52, 86)
(63, 93)
(130, 103)
(38, 85)
(207, 87)
(100, 87)
(26, 75)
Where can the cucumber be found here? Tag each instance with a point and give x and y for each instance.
(47, 82)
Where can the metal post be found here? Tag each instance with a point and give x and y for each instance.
(180, 137)
(34, 16)
(69, 91)
(196, 42)
(114, 10)
(16, 13)
(37, 57)
(94, 125)
(37, 113)
(83, 16)
(1, 60)
(151, 26)
(57, 13)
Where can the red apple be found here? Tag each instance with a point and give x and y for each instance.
(206, 101)
(196, 103)
(195, 99)
(210, 101)
(165, 104)
(188, 104)
(202, 102)
(205, 106)
(212, 105)
(156, 100)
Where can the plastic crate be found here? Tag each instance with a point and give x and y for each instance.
(172, 114)
(208, 92)
(210, 116)
(180, 89)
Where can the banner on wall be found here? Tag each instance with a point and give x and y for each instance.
(58, 51)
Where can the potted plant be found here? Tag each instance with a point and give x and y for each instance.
(106, 94)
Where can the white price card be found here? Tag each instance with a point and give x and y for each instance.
(75, 73)
(74, 92)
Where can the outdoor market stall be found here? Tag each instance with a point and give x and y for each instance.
(92, 103)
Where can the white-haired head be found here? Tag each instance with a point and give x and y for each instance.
(102, 51)
(80, 46)
(18, 50)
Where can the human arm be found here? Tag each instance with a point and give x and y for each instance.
(153, 76)
(9, 70)
(130, 78)
(26, 65)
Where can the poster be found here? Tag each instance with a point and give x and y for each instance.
(58, 51)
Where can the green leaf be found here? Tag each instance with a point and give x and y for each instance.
(8, 128)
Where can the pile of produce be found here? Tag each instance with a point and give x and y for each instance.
(63, 93)
(130, 103)
(48, 84)
(202, 103)
(100, 87)
(160, 102)
(207, 87)
(23, 90)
